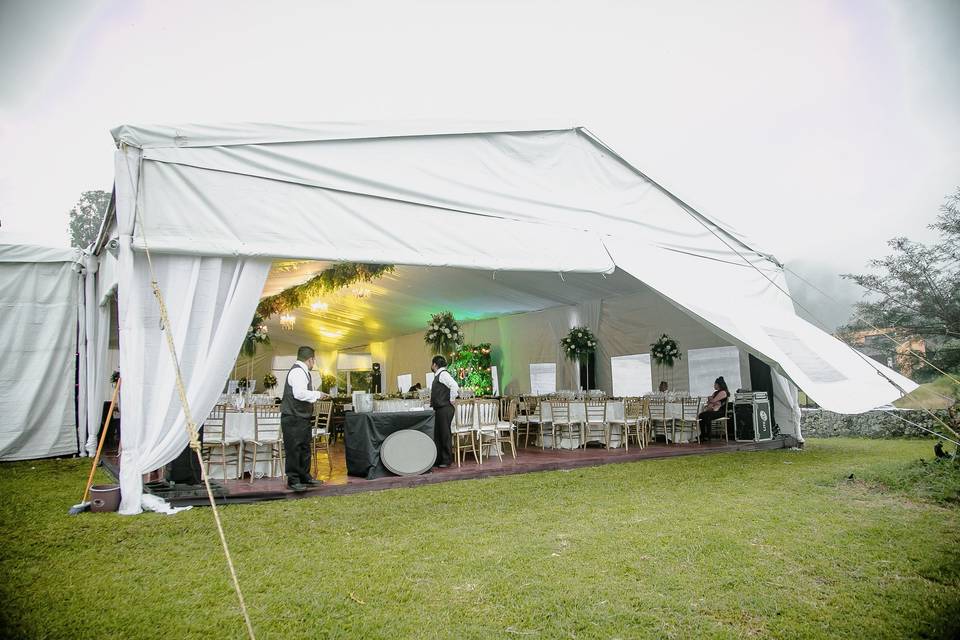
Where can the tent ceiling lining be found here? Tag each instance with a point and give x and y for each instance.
(402, 302)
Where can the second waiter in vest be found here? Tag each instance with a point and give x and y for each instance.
(296, 420)
(442, 394)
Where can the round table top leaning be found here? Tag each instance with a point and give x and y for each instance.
(408, 452)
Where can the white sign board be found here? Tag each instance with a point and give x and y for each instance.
(543, 378)
(404, 382)
(354, 362)
(631, 375)
(706, 365)
(429, 379)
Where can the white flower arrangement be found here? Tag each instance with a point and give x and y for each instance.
(578, 343)
(443, 333)
(665, 351)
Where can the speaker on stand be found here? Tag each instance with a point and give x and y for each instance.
(376, 380)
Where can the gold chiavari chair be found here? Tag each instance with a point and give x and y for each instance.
(595, 412)
(633, 422)
(723, 422)
(688, 424)
(321, 431)
(644, 420)
(562, 423)
(530, 420)
(217, 447)
(267, 439)
(491, 431)
(660, 424)
(462, 430)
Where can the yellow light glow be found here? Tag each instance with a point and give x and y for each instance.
(319, 306)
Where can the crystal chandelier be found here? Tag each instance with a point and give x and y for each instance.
(287, 320)
(319, 306)
(361, 292)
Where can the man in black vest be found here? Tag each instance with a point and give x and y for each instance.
(296, 420)
(442, 394)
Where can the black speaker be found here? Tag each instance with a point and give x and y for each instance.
(185, 468)
(376, 382)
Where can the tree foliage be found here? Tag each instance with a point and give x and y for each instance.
(916, 290)
(86, 216)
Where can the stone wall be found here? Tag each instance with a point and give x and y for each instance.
(817, 423)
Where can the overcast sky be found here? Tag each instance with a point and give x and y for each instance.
(819, 129)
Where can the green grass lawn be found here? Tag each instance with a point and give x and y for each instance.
(770, 544)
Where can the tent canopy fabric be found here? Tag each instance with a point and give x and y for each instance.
(512, 207)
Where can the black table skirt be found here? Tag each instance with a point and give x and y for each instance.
(365, 432)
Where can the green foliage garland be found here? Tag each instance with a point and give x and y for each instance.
(337, 277)
(471, 367)
(578, 343)
(443, 333)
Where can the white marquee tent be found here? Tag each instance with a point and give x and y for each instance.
(527, 219)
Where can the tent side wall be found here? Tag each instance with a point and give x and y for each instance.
(40, 309)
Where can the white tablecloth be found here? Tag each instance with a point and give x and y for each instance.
(397, 404)
(242, 424)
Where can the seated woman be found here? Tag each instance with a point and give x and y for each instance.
(716, 407)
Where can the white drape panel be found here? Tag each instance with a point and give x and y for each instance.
(38, 341)
(81, 351)
(209, 302)
(97, 343)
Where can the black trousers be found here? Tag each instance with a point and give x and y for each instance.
(296, 447)
(705, 419)
(441, 434)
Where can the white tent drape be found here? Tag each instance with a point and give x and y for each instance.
(97, 338)
(210, 302)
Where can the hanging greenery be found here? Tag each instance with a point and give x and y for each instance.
(443, 333)
(578, 343)
(256, 334)
(472, 368)
(665, 351)
(339, 276)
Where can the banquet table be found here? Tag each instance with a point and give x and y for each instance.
(364, 433)
(242, 424)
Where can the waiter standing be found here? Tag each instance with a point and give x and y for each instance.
(296, 420)
(442, 394)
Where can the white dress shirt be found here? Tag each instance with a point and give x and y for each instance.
(298, 378)
(446, 379)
